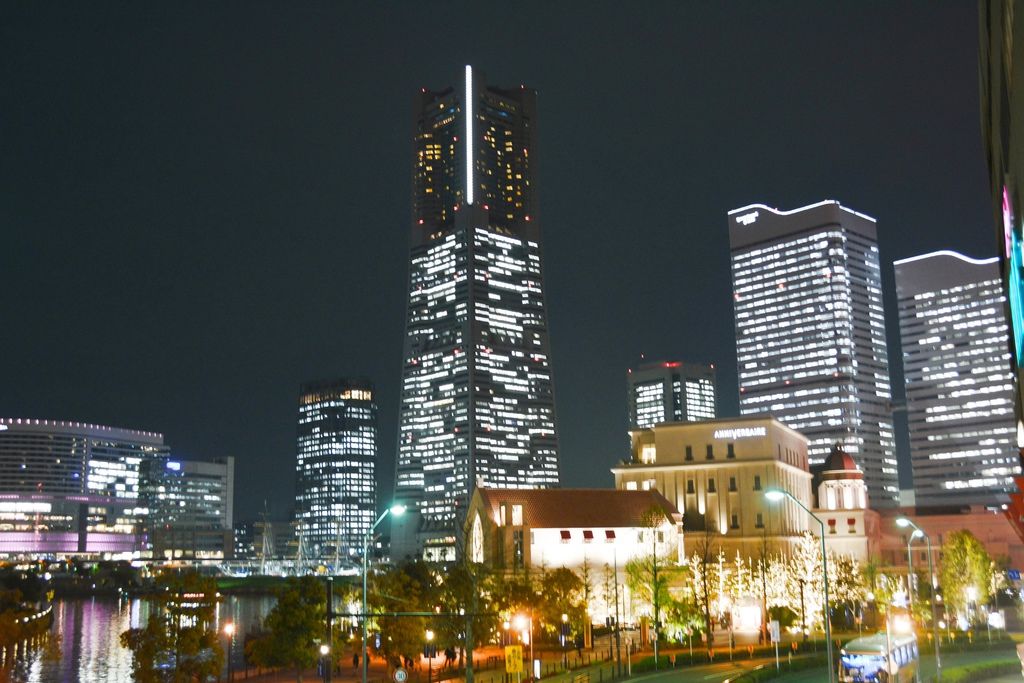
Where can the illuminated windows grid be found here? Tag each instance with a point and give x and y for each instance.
(336, 467)
(810, 332)
(477, 395)
(670, 391)
(959, 382)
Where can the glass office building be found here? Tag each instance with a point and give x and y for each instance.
(810, 332)
(189, 507)
(477, 396)
(959, 379)
(336, 467)
(670, 391)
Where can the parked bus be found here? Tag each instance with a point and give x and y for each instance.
(879, 658)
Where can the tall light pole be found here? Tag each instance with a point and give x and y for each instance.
(325, 661)
(521, 625)
(229, 631)
(904, 522)
(775, 495)
(395, 510)
(910, 576)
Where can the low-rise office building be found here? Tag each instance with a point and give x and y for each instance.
(189, 508)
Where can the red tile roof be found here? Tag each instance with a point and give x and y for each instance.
(580, 508)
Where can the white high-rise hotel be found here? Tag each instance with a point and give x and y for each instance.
(810, 332)
(956, 361)
(477, 403)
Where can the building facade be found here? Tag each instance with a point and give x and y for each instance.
(72, 488)
(810, 332)
(529, 530)
(1001, 26)
(336, 468)
(716, 472)
(670, 391)
(959, 381)
(477, 397)
(189, 508)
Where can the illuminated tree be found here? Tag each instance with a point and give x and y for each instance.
(704, 581)
(561, 593)
(806, 580)
(846, 584)
(966, 572)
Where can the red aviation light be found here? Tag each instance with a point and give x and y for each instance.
(673, 364)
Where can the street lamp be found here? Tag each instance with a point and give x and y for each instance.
(397, 511)
(775, 495)
(229, 631)
(429, 652)
(325, 650)
(521, 622)
(903, 523)
(565, 638)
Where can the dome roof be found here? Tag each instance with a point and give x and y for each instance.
(839, 460)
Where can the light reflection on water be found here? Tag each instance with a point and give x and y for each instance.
(84, 646)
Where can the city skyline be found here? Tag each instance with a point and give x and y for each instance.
(261, 204)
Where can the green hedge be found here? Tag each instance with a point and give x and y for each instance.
(980, 672)
(768, 672)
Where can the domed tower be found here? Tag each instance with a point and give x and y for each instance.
(841, 484)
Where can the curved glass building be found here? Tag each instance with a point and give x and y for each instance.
(72, 487)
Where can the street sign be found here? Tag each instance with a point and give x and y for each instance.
(773, 629)
(400, 675)
(1014, 574)
(514, 659)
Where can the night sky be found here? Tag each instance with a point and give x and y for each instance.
(206, 204)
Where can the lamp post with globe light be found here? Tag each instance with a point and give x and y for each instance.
(229, 631)
(521, 624)
(325, 650)
(397, 511)
(903, 523)
(775, 495)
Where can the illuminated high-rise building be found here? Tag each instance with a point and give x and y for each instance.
(956, 363)
(670, 391)
(477, 399)
(335, 468)
(810, 332)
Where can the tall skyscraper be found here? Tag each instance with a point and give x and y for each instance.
(956, 363)
(477, 400)
(810, 332)
(670, 391)
(336, 495)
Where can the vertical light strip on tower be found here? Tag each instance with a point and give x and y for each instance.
(469, 134)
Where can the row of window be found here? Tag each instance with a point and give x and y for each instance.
(709, 453)
(691, 488)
